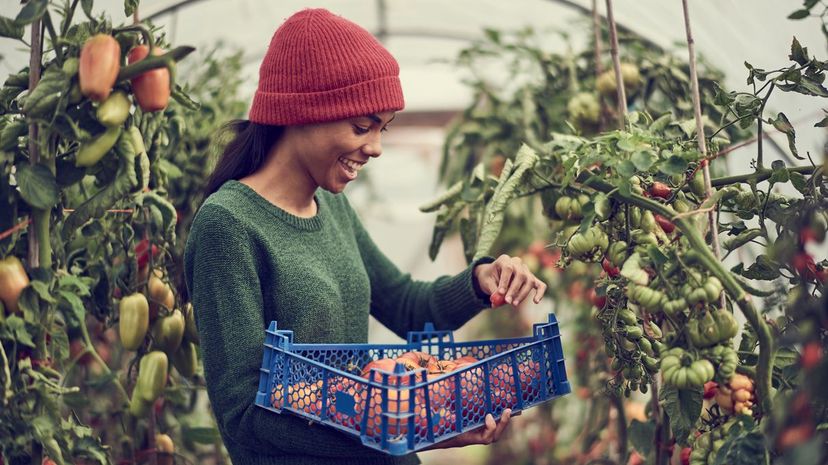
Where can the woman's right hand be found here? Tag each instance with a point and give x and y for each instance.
(488, 433)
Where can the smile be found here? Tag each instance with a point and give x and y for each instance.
(351, 166)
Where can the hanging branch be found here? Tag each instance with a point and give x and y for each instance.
(694, 82)
(616, 65)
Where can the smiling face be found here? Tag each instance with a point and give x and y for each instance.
(332, 154)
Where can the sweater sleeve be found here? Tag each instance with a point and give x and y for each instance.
(403, 304)
(222, 276)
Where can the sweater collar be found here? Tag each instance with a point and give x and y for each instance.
(313, 223)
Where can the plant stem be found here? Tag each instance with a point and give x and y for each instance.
(694, 82)
(67, 21)
(47, 21)
(154, 61)
(94, 353)
(759, 176)
(616, 64)
(621, 422)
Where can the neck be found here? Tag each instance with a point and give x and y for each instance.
(283, 182)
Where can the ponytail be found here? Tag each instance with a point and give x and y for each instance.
(244, 154)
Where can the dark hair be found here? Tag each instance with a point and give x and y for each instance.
(244, 154)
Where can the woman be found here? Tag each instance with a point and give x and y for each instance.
(274, 241)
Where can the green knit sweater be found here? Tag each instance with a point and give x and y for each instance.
(248, 262)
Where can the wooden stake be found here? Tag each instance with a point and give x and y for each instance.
(34, 154)
(694, 82)
(596, 30)
(616, 64)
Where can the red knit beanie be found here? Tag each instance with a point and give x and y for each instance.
(321, 67)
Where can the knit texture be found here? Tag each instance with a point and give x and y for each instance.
(321, 67)
(248, 262)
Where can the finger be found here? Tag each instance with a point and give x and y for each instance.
(540, 292)
(528, 287)
(505, 269)
(487, 436)
(502, 424)
(518, 279)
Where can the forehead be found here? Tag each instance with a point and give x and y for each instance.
(379, 118)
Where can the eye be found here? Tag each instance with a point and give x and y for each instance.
(359, 130)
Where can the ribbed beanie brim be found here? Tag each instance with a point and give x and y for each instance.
(321, 67)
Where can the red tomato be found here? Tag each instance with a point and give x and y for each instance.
(665, 224)
(497, 299)
(710, 389)
(811, 355)
(661, 190)
(612, 270)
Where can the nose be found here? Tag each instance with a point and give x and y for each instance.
(373, 148)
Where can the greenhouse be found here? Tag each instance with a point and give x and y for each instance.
(571, 232)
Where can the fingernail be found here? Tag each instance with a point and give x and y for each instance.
(508, 299)
(517, 302)
(502, 290)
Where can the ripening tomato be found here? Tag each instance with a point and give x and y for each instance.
(151, 89)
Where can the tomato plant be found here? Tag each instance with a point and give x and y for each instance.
(634, 200)
(87, 237)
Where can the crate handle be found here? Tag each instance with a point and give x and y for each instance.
(429, 338)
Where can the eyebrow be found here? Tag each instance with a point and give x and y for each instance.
(376, 119)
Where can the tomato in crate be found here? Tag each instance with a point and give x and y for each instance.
(401, 398)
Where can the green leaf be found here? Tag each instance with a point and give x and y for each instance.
(673, 166)
(626, 169)
(29, 303)
(799, 181)
(643, 160)
(741, 449)
(31, 12)
(625, 188)
(173, 171)
(588, 212)
(87, 7)
(684, 408)
(130, 6)
(641, 436)
(80, 285)
(9, 28)
(799, 14)
(200, 435)
(17, 327)
(786, 356)
(90, 447)
(38, 186)
(780, 174)
(183, 99)
(782, 124)
(43, 291)
(688, 126)
(764, 269)
(809, 86)
(798, 54)
(657, 256)
(73, 309)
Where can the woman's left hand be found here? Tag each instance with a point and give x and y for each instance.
(510, 277)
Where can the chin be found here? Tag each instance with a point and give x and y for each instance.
(335, 189)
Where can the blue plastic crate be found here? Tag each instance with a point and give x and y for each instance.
(402, 411)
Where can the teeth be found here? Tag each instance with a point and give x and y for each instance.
(350, 164)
